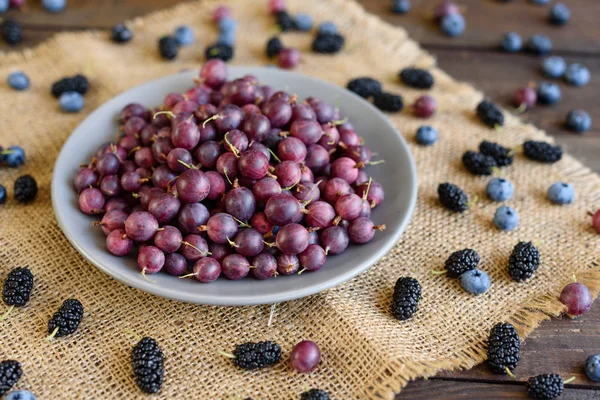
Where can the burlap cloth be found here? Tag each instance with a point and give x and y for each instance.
(366, 353)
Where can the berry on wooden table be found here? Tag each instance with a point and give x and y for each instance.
(546, 386)
(453, 25)
(554, 66)
(578, 121)
(11, 32)
(592, 367)
(503, 348)
(400, 6)
(524, 261)
(54, 5)
(548, 93)
(577, 297)
(539, 44)
(577, 74)
(148, 365)
(10, 373)
(559, 14)
(405, 301)
(511, 42)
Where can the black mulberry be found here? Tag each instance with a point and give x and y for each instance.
(388, 102)
(503, 348)
(328, 43)
(416, 78)
(274, 46)
(542, 151)
(66, 320)
(315, 394)
(10, 373)
(364, 87)
(17, 287)
(168, 47)
(502, 155)
(490, 114)
(121, 34)
(460, 262)
(452, 197)
(220, 51)
(77, 83)
(478, 164)
(284, 21)
(251, 355)
(25, 189)
(407, 294)
(148, 365)
(545, 386)
(524, 261)
(11, 32)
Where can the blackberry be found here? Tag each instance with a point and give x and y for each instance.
(315, 394)
(388, 102)
(77, 83)
(328, 43)
(121, 34)
(284, 21)
(503, 348)
(542, 151)
(524, 261)
(545, 386)
(10, 373)
(274, 46)
(490, 114)
(168, 47)
(407, 293)
(148, 365)
(416, 78)
(25, 189)
(502, 155)
(11, 32)
(17, 287)
(220, 51)
(251, 356)
(364, 86)
(478, 163)
(452, 197)
(66, 320)
(460, 262)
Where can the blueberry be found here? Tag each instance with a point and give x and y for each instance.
(499, 189)
(2, 194)
(506, 218)
(554, 66)
(276, 229)
(539, 44)
(184, 35)
(592, 367)
(559, 14)
(4, 4)
(427, 135)
(71, 102)
(14, 156)
(511, 42)
(561, 193)
(578, 121)
(577, 75)
(453, 25)
(328, 27)
(548, 93)
(303, 22)
(400, 6)
(475, 281)
(54, 5)
(227, 25)
(20, 395)
(227, 38)
(18, 80)
(540, 2)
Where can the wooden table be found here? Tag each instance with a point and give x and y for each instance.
(560, 345)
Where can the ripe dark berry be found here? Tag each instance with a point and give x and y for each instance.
(407, 293)
(25, 189)
(328, 43)
(490, 114)
(452, 197)
(168, 47)
(251, 356)
(11, 32)
(17, 287)
(545, 386)
(478, 164)
(66, 320)
(524, 261)
(542, 151)
(315, 394)
(503, 348)
(220, 51)
(284, 21)
(460, 262)
(10, 373)
(364, 87)
(388, 102)
(502, 155)
(416, 78)
(148, 365)
(121, 34)
(77, 83)
(274, 46)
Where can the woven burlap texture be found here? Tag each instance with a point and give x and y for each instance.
(366, 353)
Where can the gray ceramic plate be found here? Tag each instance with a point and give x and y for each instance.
(398, 177)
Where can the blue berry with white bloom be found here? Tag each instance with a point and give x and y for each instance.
(592, 367)
(511, 42)
(71, 102)
(54, 5)
(184, 35)
(578, 121)
(561, 193)
(539, 44)
(540, 2)
(559, 14)
(577, 74)
(475, 281)
(2, 194)
(548, 93)
(227, 25)
(500, 189)
(328, 27)
(453, 25)
(427, 135)
(303, 22)
(14, 156)
(554, 66)
(400, 6)
(4, 5)
(20, 395)
(18, 80)
(227, 38)
(506, 218)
